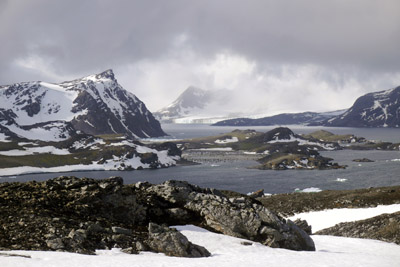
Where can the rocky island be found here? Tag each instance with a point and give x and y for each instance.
(277, 149)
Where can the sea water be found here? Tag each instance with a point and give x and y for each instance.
(237, 176)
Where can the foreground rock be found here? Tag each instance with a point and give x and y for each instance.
(82, 215)
(173, 243)
(239, 217)
(385, 227)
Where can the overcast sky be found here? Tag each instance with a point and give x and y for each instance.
(277, 56)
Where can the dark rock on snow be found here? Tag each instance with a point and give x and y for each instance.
(172, 243)
(82, 215)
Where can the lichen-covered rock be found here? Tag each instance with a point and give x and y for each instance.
(82, 215)
(239, 217)
(173, 243)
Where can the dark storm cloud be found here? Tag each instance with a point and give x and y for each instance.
(349, 39)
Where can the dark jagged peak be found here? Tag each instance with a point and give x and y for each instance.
(108, 74)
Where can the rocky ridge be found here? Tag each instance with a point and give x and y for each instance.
(81, 215)
(378, 109)
(304, 118)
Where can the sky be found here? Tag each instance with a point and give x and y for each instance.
(273, 55)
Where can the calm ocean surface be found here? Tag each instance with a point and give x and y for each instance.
(385, 171)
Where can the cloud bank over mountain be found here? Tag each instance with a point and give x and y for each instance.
(276, 56)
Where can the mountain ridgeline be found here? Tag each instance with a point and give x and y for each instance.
(94, 105)
(379, 109)
(306, 118)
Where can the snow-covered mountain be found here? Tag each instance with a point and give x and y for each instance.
(196, 105)
(379, 109)
(186, 104)
(95, 105)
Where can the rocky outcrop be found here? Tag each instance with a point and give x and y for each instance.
(296, 160)
(82, 215)
(172, 243)
(385, 227)
(239, 217)
(363, 160)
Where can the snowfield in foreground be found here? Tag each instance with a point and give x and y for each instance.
(228, 251)
(328, 218)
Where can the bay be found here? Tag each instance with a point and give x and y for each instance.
(236, 176)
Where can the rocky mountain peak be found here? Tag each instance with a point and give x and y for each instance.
(95, 104)
(107, 74)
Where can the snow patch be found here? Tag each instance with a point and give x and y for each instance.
(327, 218)
(308, 190)
(303, 142)
(227, 251)
(3, 138)
(234, 139)
(35, 150)
(216, 149)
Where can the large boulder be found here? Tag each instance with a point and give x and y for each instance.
(172, 243)
(241, 217)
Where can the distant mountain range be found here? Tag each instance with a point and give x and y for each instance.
(196, 105)
(94, 105)
(305, 118)
(379, 109)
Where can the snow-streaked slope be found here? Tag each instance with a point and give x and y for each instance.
(227, 252)
(39, 102)
(95, 104)
(379, 109)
